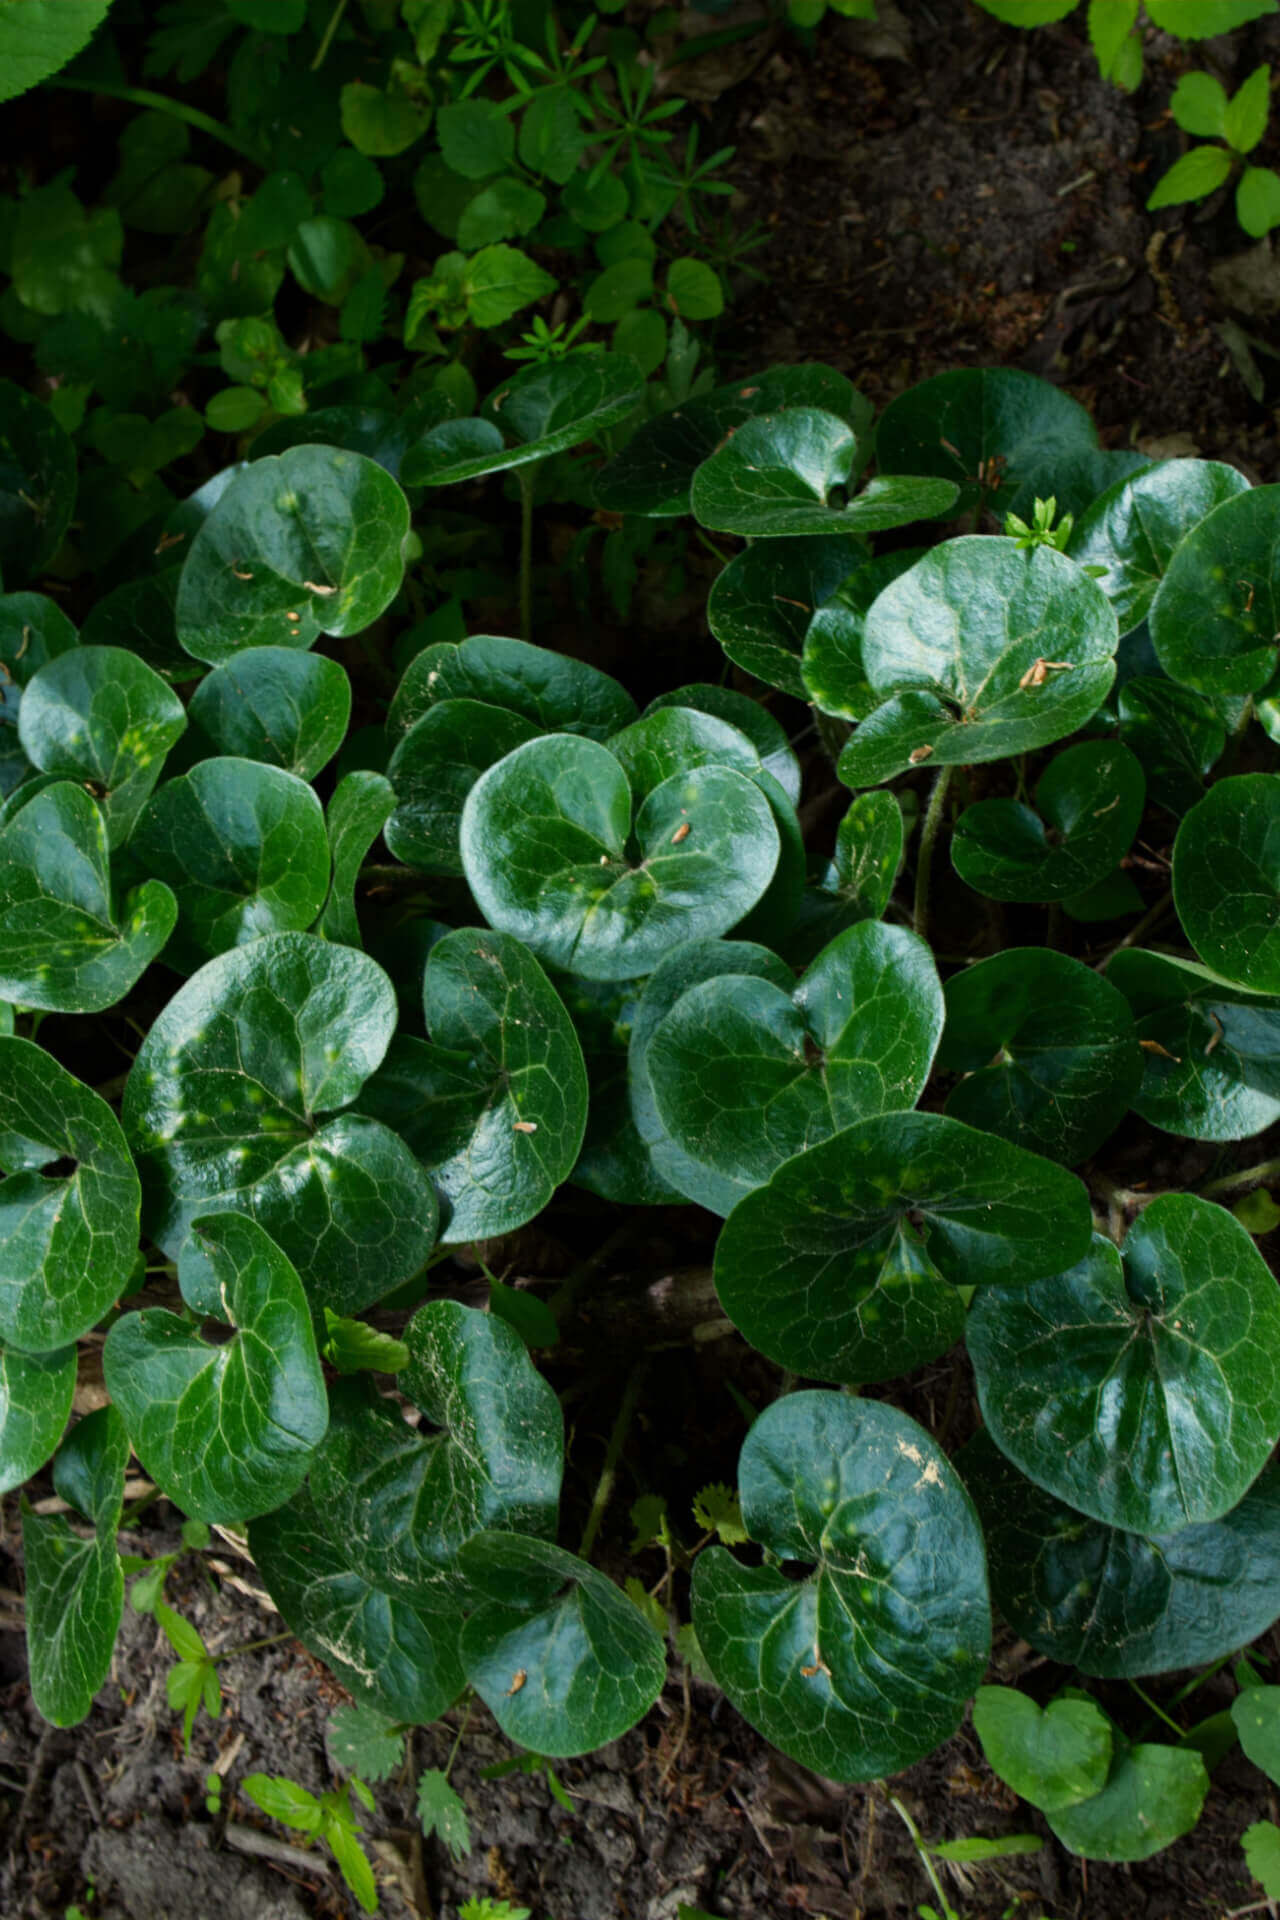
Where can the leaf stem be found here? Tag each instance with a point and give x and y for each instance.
(1158, 1710)
(161, 103)
(463, 1724)
(948, 1911)
(251, 1646)
(924, 855)
(609, 1471)
(1247, 1178)
(335, 21)
(525, 477)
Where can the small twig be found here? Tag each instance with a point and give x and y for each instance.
(90, 1792)
(335, 21)
(264, 1846)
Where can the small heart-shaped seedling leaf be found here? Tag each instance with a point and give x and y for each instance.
(956, 650)
(1152, 1797)
(228, 1431)
(1133, 528)
(1116, 1604)
(846, 1265)
(538, 412)
(69, 1202)
(866, 1664)
(1218, 605)
(831, 663)
(434, 768)
(760, 607)
(547, 848)
(1256, 1713)
(362, 804)
(36, 1391)
(244, 848)
(1047, 1048)
(99, 716)
(554, 693)
(1089, 802)
(654, 472)
(767, 735)
(1226, 880)
(858, 883)
(614, 1162)
(299, 544)
(1175, 734)
(392, 1642)
(1145, 1390)
(563, 1660)
(65, 946)
(286, 709)
(37, 483)
(775, 477)
(75, 1586)
(1053, 1756)
(1211, 1052)
(495, 1102)
(744, 1075)
(1001, 436)
(235, 1104)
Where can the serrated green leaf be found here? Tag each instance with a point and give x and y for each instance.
(1245, 120)
(1261, 1844)
(37, 37)
(362, 1741)
(442, 1812)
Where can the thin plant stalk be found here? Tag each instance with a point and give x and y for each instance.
(924, 856)
(161, 103)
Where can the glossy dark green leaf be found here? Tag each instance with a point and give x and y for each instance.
(980, 650)
(1088, 806)
(243, 847)
(99, 716)
(615, 1161)
(1002, 436)
(37, 483)
(1133, 528)
(375, 432)
(1047, 1048)
(744, 1075)
(68, 1203)
(653, 473)
(494, 1104)
(760, 607)
(235, 1104)
(1153, 1796)
(362, 804)
(845, 1266)
(1175, 734)
(865, 1665)
(546, 842)
(285, 709)
(751, 717)
(75, 1586)
(1218, 605)
(563, 1660)
(299, 544)
(777, 475)
(831, 664)
(36, 1390)
(434, 768)
(858, 882)
(1053, 1756)
(1226, 880)
(1143, 1391)
(1212, 1058)
(537, 412)
(555, 693)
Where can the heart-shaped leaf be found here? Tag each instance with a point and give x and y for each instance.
(1152, 1797)
(760, 607)
(68, 1203)
(75, 1586)
(1218, 605)
(748, 716)
(235, 1104)
(866, 1664)
(1226, 879)
(1115, 1604)
(229, 1430)
(1211, 1052)
(845, 1266)
(1089, 802)
(1053, 1756)
(831, 664)
(244, 848)
(614, 1162)
(563, 1660)
(299, 544)
(1047, 1048)
(37, 483)
(1143, 1391)
(956, 650)
(744, 1075)
(1133, 528)
(776, 475)
(553, 692)
(495, 1102)
(857, 883)
(1175, 734)
(36, 1390)
(286, 709)
(538, 412)
(362, 804)
(434, 768)
(547, 836)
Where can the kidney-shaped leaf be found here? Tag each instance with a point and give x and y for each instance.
(554, 692)
(1152, 1797)
(1052, 1756)
(1133, 528)
(865, 1665)
(831, 664)
(1226, 879)
(767, 735)
(538, 412)
(1218, 605)
(36, 1391)
(286, 709)
(1089, 801)
(1212, 1053)
(434, 768)
(845, 1266)
(760, 607)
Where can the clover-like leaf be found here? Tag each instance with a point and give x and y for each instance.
(1226, 879)
(1153, 1796)
(1134, 527)
(1176, 735)
(981, 650)
(1047, 1049)
(1218, 605)
(1088, 805)
(37, 483)
(563, 1660)
(547, 840)
(434, 768)
(68, 1203)
(285, 709)
(555, 693)
(845, 1266)
(538, 412)
(235, 1104)
(362, 804)
(750, 717)
(858, 881)
(615, 1162)
(777, 475)
(1211, 1052)
(866, 1664)
(1053, 1756)
(745, 1075)
(299, 544)
(36, 1390)
(75, 1586)
(227, 1430)
(494, 1103)
(1142, 1387)
(760, 607)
